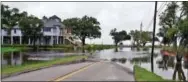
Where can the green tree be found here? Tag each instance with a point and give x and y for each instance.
(168, 21)
(85, 27)
(9, 17)
(119, 36)
(31, 26)
(135, 34)
(176, 27)
(145, 37)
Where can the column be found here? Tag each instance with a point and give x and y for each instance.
(20, 40)
(52, 40)
(63, 40)
(2, 39)
(11, 38)
(57, 39)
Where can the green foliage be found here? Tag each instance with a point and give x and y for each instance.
(146, 37)
(184, 32)
(174, 26)
(119, 36)
(10, 17)
(141, 38)
(168, 21)
(85, 27)
(31, 27)
(135, 34)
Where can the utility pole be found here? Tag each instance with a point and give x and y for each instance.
(140, 33)
(153, 41)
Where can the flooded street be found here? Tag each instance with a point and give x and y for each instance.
(130, 58)
(142, 58)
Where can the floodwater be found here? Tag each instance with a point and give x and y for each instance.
(142, 58)
(24, 57)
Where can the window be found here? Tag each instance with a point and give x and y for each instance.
(14, 31)
(47, 29)
(54, 29)
(56, 20)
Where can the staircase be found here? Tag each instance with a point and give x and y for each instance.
(72, 41)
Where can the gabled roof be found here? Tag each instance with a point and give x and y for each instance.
(52, 23)
(55, 17)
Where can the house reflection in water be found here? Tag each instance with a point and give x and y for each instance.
(12, 58)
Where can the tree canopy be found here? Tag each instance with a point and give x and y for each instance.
(119, 36)
(85, 27)
(174, 25)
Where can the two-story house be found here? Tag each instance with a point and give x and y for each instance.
(14, 37)
(54, 32)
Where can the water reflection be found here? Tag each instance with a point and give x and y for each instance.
(12, 58)
(25, 57)
(145, 59)
(165, 62)
(164, 66)
(121, 60)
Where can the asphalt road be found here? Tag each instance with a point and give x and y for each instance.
(103, 71)
(47, 74)
(88, 71)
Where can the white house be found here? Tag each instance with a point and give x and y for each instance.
(54, 32)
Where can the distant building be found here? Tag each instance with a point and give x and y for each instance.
(54, 32)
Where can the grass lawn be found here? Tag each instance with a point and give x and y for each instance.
(10, 49)
(142, 74)
(37, 64)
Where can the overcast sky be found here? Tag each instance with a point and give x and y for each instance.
(121, 15)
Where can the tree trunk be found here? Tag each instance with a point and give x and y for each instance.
(116, 47)
(175, 43)
(178, 68)
(83, 44)
(34, 43)
(144, 44)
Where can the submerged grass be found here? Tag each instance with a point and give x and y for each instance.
(6, 70)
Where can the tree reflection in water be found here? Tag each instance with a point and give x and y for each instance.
(121, 60)
(116, 49)
(164, 62)
(144, 59)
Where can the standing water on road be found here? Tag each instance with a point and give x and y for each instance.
(142, 58)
